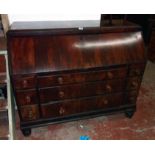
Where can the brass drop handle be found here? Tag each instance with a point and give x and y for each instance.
(25, 83)
(60, 80)
(28, 99)
(61, 94)
(134, 84)
(61, 111)
(136, 72)
(110, 75)
(105, 101)
(108, 88)
(30, 114)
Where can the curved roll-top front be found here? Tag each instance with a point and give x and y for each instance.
(71, 52)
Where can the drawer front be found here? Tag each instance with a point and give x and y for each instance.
(71, 107)
(29, 113)
(26, 82)
(136, 69)
(81, 90)
(26, 97)
(134, 83)
(54, 80)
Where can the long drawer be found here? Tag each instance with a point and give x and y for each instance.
(62, 79)
(69, 107)
(81, 90)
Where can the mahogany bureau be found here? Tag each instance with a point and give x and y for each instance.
(70, 70)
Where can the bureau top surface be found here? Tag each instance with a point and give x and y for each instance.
(75, 26)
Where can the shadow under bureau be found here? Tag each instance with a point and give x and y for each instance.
(63, 71)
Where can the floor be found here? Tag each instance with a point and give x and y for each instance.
(141, 126)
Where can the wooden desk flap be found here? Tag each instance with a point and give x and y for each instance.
(49, 53)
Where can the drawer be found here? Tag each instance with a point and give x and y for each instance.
(62, 79)
(24, 82)
(29, 113)
(26, 97)
(81, 90)
(71, 107)
(134, 83)
(136, 69)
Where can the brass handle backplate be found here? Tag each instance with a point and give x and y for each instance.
(110, 75)
(61, 111)
(25, 83)
(108, 88)
(60, 80)
(105, 101)
(134, 84)
(28, 99)
(30, 114)
(61, 94)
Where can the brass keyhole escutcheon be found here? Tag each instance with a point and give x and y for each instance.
(137, 72)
